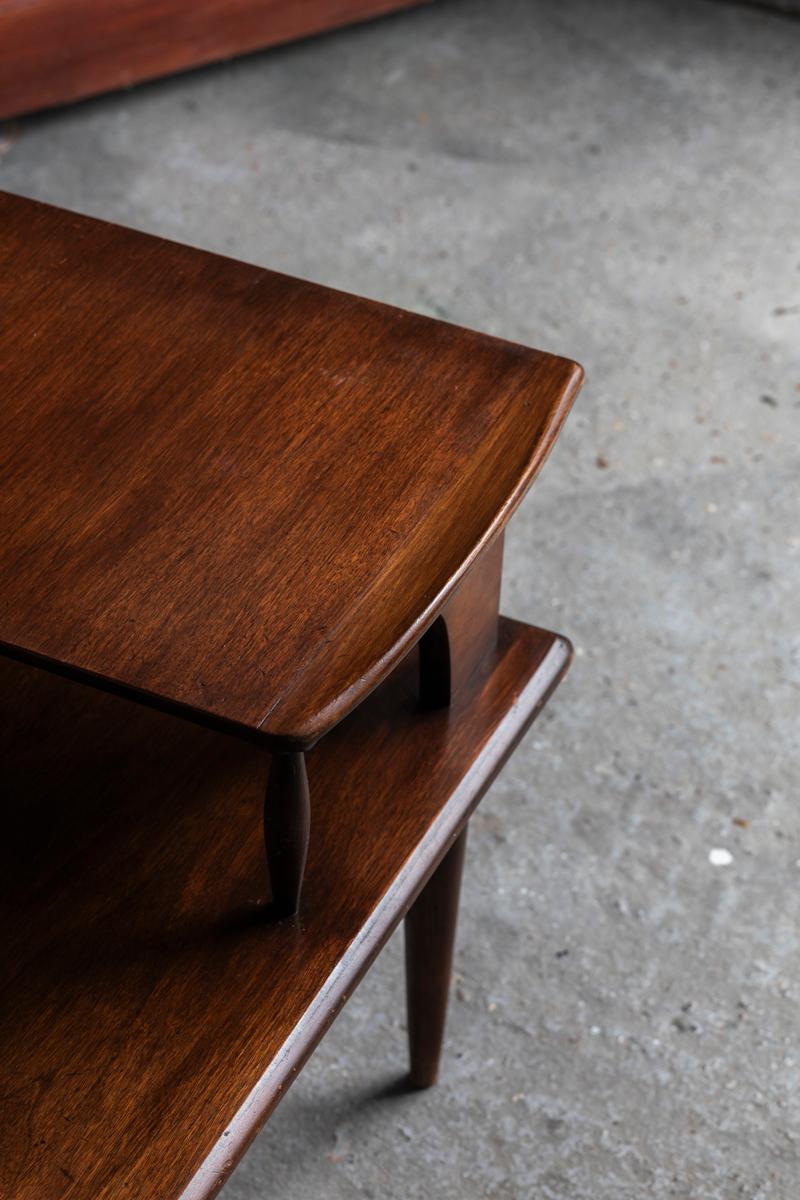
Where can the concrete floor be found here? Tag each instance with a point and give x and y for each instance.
(618, 182)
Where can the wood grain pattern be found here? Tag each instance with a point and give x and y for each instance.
(459, 642)
(150, 1017)
(57, 51)
(234, 494)
(453, 655)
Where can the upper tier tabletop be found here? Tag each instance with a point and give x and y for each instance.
(233, 492)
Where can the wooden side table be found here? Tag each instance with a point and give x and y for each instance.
(252, 547)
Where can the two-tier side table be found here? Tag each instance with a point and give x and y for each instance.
(250, 557)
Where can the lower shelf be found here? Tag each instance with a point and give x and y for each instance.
(151, 1016)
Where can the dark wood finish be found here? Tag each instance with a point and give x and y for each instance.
(151, 1018)
(236, 495)
(287, 816)
(469, 624)
(460, 640)
(57, 51)
(430, 931)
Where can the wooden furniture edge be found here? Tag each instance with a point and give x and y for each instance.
(60, 62)
(286, 726)
(204, 995)
(290, 733)
(440, 837)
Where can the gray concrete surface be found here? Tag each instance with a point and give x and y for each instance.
(619, 182)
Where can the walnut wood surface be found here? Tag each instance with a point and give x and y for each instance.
(150, 1017)
(233, 493)
(56, 51)
(458, 643)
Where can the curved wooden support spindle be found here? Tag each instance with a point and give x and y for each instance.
(287, 819)
(461, 639)
(430, 930)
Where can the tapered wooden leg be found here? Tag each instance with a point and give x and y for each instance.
(464, 634)
(430, 929)
(286, 829)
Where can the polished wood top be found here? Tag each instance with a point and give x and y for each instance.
(235, 493)
(150, 1016)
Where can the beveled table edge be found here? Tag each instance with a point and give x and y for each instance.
(284, 1068)
(278, 729)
